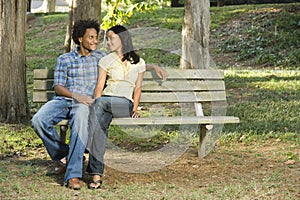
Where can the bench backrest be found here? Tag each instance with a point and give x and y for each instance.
(182, 86)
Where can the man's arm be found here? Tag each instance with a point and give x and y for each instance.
(158, 70)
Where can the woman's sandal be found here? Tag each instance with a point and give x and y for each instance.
(97, 183)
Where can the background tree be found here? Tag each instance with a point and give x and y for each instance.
(81, 9)
(28, 5)
(220, 3)
(49, 6)
(13, 95)
(195, 35)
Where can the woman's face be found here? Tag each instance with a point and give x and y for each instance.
(114, 42)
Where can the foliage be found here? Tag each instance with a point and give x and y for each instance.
(119, 11)
(270, 38)
(168, 18)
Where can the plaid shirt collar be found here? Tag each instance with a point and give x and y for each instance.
(78, 55)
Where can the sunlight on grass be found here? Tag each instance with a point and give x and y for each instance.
(265, 10)
(267, 102)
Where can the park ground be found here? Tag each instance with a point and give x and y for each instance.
(240, 170)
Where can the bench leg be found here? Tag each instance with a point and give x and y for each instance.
(202, 142)
(63, 132)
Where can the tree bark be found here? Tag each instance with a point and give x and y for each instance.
(195, 35)
(49, 6)
(81, 9)
(13, 95)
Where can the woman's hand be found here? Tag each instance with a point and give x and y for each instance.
(135, 114)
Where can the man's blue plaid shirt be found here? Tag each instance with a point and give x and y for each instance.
(78, 73)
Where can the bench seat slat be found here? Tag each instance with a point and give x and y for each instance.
(170, 120)
(175, 120)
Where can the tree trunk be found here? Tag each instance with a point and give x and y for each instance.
(220, 3)
(195, 35)
(49, 6)
(13, 95)
(81, 9)
(28, 5)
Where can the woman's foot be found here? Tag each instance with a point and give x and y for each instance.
(97, 182)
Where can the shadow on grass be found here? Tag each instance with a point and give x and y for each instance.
(29, 169)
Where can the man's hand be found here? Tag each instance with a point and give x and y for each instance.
(86, 100)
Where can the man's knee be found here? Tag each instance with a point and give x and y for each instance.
(82, 110)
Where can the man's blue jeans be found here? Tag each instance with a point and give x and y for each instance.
(43, 123)
(105, 108)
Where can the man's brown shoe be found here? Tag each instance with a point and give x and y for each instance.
(74, 183)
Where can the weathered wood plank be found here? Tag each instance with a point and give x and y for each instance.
(42, 96)
(175, 120)
(170, 120)
(188, 74)
(43, 84)
(183, 85)
(172, 74)
(43, 73)
(178, 85)
(156, 97)
(183, 97)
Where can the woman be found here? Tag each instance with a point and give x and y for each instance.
(117, 94)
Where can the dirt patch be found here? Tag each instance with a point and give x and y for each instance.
(225, 164)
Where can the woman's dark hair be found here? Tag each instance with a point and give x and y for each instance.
(80, 27)
(127, 47)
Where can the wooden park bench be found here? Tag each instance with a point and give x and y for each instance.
(200, 91)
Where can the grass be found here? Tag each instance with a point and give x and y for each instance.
(249, 161)
(272, 94)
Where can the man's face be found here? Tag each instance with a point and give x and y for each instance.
(89, 41)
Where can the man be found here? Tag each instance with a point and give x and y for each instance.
(75, 77)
